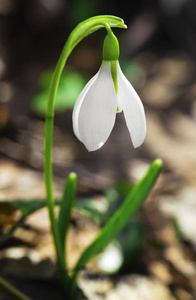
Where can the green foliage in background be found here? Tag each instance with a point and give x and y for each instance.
(70, 86)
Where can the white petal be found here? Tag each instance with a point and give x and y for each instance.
(98, 110)
(78, 104)
(133, 109)
(119, 104)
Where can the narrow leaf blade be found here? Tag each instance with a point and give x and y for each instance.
(67, 203)
(123, 215)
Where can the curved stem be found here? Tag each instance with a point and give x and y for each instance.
(82, 30)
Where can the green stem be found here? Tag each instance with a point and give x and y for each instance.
(81, 31)
(9, 289)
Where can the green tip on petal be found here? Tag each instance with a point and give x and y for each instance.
(110, 47)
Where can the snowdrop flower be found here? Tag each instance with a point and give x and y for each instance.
(107, 93)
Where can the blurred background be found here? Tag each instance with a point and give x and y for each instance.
(158, 56)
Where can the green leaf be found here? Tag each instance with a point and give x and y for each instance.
(67, 203)
(28, 207)
(90, 208)
(123, 215)
(70, 86)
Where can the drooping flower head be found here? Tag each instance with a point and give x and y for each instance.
(107, 93)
